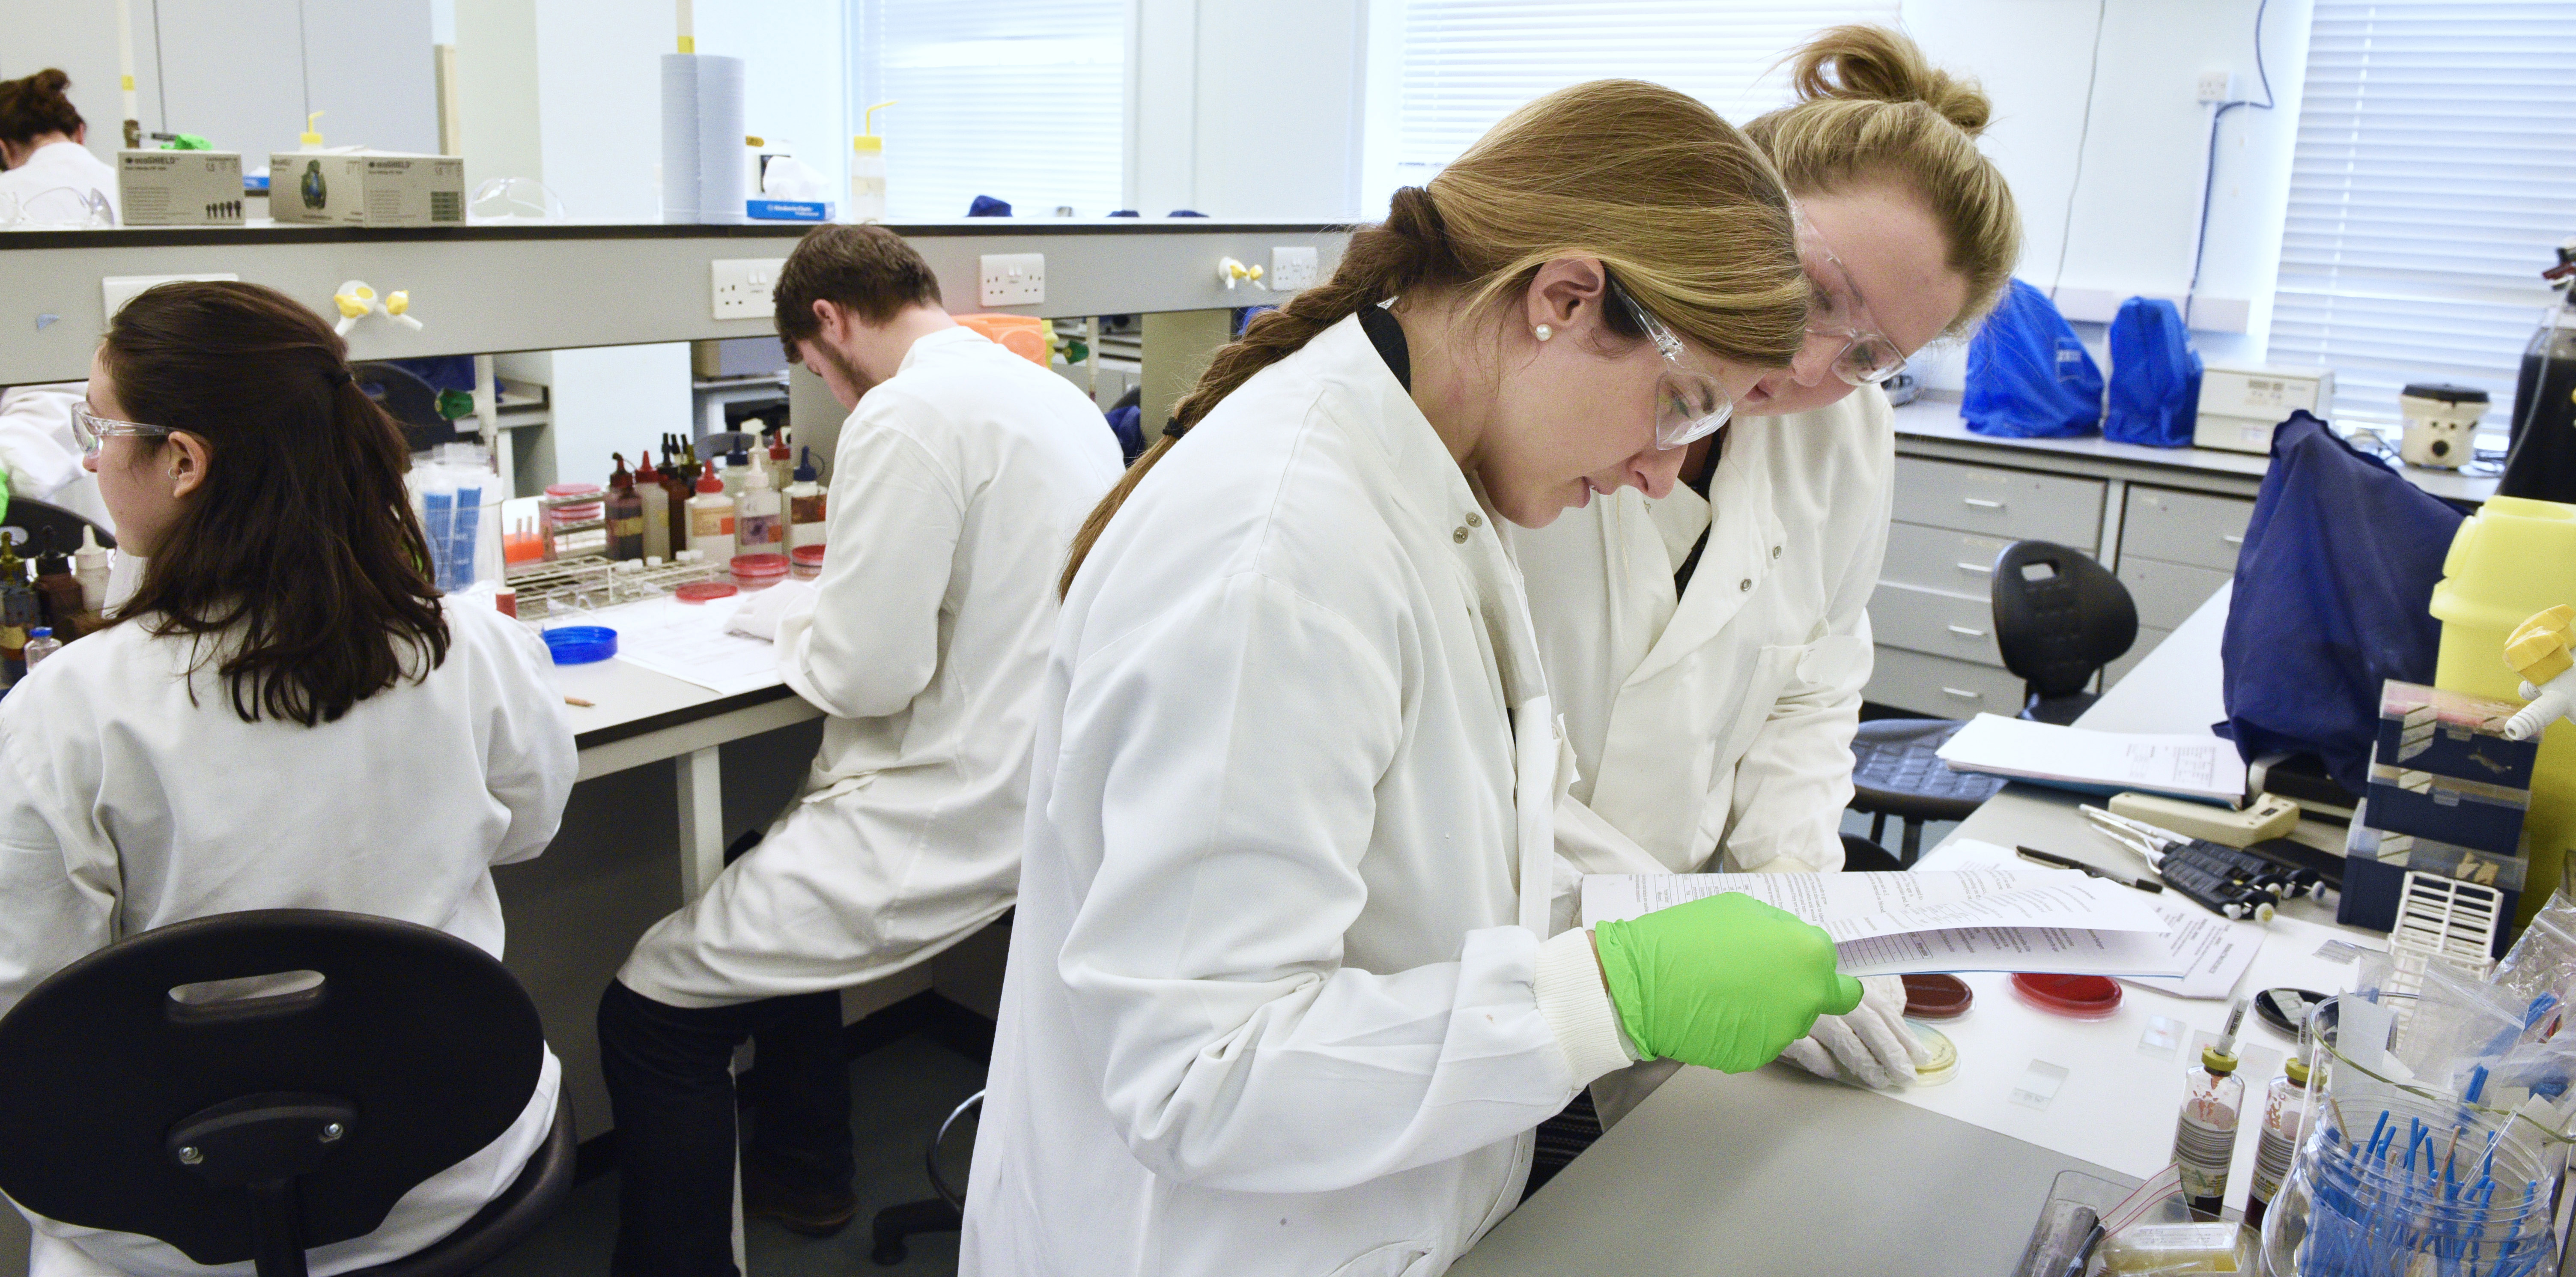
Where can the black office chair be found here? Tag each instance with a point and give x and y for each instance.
(1897, 771)
(259, 1127)
(2059, 618)
(40, 520)
(941, 1214)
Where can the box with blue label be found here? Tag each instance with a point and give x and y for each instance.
(2465, 813)
(2376, 864)
(2447, 733)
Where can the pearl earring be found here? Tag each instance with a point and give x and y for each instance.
(1543, 332)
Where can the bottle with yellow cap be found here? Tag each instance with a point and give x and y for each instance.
(2213, 1102)
(2285, 1118)
(868, 170)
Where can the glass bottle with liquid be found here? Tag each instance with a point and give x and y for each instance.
(657, 508)
(625, 511)
(2213, 1104)
(2285, 1118)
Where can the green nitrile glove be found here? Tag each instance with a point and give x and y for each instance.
(1725, 981)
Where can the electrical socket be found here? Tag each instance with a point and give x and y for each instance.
(1014, 279)
(1291, 269)
(2217, 86)
(739, 288)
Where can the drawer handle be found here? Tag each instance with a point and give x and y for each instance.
(1963, 694)
(2233, 540)
(1982, 569)
(1964, 632)
(1982, 504)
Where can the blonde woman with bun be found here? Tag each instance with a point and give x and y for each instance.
(1708, 650)
(1282, 994)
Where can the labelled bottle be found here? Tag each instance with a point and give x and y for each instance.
(737, 467)
(41, 643)
(676, 476)
(625, 510)
(89, 567)
(711, 519)
(782, 460)
(2213, 1106)
(2285, 1119)
(657, 508)
(805, 503)
(758, 529)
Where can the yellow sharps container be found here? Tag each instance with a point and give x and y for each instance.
(2512, 558)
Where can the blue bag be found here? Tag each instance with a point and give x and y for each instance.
(2028, 377)
(2155, 376)
(2333, 590)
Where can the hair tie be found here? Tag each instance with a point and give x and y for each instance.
(1173, 429)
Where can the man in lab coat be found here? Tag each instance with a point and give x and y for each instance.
(958, 483)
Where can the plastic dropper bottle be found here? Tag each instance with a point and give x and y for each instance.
(757, 528)
(782, 460)
(737, 467)
(2285, 1119)
(41, 643)
(2213, 1104)
(89, 567)
(625, 514)
(711, 519)
(676, 481)
(657, 508)
(805, 500)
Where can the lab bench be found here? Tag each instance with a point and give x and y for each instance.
(1774, 1171)
(2166, 521)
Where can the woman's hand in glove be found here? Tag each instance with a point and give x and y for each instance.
(1724, 981)
(1871, 1043)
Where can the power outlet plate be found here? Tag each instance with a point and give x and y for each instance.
(116, 290)
(1291, 269)
(739, 287)
(1013, 279)
(2217, 86)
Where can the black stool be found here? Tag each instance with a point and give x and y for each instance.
(941, 1214)
(259, 1127)
(1896, 772)
(2059, 618)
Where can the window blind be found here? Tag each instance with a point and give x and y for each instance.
(1468, 63)
(1022, 100)
(2435, 170)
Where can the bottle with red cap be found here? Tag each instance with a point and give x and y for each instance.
(711, 519)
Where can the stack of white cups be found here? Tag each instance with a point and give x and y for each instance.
(702, 138)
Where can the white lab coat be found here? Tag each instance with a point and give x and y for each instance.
(124, 807)
(1268, 1010)
(41, 184)
(1726, 721)
(956, 487)
(39, 455)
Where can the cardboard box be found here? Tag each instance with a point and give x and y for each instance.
(2376, 865)
(179, 188)
(358, 187)
(2464, 813)
(2455, 734)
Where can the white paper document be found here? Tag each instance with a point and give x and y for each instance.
(2219, 951)
(2052, 920)
(2192, 766)
(686, 641)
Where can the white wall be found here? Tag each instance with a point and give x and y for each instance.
(1248, 109)
(796, 54)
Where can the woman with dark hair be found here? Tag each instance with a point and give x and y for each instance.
(51, 173)
(284, 714)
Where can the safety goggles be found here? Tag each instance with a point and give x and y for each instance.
(93, 430)
(1689, 404)
(1864, 356)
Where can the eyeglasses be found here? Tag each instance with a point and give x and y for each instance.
(1689, 404)
(93, 430)
(1865, 356)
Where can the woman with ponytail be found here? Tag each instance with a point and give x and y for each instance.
(1708, 651)
(284, 714)
(50, 174)
(1283, 995)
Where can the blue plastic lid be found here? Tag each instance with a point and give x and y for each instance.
(581, 644)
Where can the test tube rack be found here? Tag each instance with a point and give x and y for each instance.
(591, 581)
(575, 539)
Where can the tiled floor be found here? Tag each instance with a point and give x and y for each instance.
(899, 1093)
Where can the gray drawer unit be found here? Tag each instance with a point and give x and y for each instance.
(2119, 669)
(2184, 527)
(1939, 687)
(1940, 559)
(2168, 592)
(1935, 623)
(2011, 504)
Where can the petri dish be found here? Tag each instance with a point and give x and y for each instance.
(581, 644)
(704, 591)
(2079, 997)
(1937, 997)
(1944, 1064)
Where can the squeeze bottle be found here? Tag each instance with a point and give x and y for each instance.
(782, 461)
(805, 500)
(757, 528)
(625, 515)
(868, 170)
(711, 519)
(657, 508)
(89, 567)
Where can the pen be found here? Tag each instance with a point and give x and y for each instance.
(575, 700)
(2070, 862)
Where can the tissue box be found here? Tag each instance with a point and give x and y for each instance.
(2464, 813)
(365, 188)
(2429, 729)
(2376, 864)
(179, 188)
